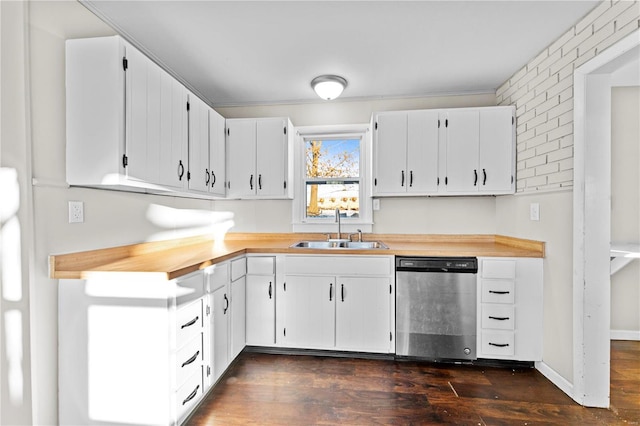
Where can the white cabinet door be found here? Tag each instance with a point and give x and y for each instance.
(241, 152)
(422, 152)
(462, 148)
(136, 119)
(217, 154)
(307, 306)
(199, 175)
(238, 317)
(260, 327)
(271, 147)
(172, 155)
(363, 314)
(221, 313)
(497, 162)
(390, 153)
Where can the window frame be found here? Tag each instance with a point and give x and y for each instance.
(350, 225)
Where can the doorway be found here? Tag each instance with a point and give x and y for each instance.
(592, 219)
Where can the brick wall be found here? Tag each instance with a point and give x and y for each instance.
(542, 92)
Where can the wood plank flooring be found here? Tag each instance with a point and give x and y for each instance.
(263, 389)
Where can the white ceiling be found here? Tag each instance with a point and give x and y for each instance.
(266, 52)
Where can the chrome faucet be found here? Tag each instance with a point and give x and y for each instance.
(339, 236)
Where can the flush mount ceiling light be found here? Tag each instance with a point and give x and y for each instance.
(328, 86)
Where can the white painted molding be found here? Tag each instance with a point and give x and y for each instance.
(625, 335)
(554, 377)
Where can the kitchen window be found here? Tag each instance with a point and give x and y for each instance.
(331, 167)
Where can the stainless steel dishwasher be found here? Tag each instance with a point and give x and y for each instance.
(436, 307)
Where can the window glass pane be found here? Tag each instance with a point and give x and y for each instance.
(332, 158)
(324, 198)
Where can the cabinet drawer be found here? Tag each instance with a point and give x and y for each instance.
(498, 291)
(190, 287)
(260, 265)
(218, 276)
(499, 269)
(188, 322)
(238, 268)
(188, 395)
(498, 343)
(189, 359)
(500, 317)
(339, 265)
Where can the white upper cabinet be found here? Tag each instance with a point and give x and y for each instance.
(217, 167)
(199, 175)
(126, 118)
(258, 158)
(406, 153)
(462, 151)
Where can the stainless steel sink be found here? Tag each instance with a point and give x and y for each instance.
(340, 244)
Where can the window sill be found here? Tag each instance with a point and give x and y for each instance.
(326, 227)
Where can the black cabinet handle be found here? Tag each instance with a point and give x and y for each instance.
(402, 183)
(190, 360)
(342, 291)
(251, 182)
(475, 179)
(499, 345)
(180, 170)
(190, 323)
(498, 318)
(270, 292)
(226, 305)
(260, 181)
(330, 292)
(499, 292)
(411, 178)
(206, 172)
(484, 177)
(213, 176)
(191, 395)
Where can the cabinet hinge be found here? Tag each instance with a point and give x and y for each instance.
(208, 371)
(208, 310)
(376, 125)
(125, 63)
(188, 106)
(125, 160)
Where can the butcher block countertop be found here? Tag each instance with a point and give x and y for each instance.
(175, 258)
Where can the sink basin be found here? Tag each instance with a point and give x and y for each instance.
(340, 244)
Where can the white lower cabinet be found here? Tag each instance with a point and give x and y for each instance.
(261, 301)
(131, 349)
(337, 302)
(510, 308)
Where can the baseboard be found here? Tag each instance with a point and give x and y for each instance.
(625, 334)
(554, 377)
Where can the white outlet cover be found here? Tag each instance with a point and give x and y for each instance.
(76, 212)
(534, 211)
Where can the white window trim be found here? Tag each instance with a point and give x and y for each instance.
(365, 221)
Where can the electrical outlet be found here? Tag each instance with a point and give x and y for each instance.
(376, 204)
(76, 212)
(534, 211)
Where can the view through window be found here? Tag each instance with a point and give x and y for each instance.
(332, 178)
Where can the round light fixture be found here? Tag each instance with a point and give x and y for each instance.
(328, 86)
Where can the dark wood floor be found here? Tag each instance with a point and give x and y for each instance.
(262, 389)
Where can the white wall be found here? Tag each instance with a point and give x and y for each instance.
(625, 206)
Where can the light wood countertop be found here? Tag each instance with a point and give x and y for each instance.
(175, 258)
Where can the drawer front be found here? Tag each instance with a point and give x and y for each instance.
(261, 265)
(189, 359)
(218, 276)
(498, 317)
(498, 343)
(339, 265)
(188, 395)
(504, 269)
(189, 288)
(498, 291)
(238, 268)
(188, 323)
